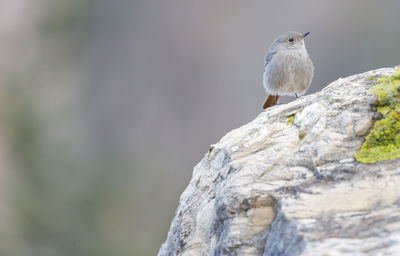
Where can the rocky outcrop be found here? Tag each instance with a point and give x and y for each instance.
(288, 183)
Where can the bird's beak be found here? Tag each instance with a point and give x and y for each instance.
(305, 34)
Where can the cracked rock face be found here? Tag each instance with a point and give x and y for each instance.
(277, 187)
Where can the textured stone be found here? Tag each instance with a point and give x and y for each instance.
(287, 183)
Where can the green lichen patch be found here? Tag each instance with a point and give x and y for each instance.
(383, 142)
(290, 120)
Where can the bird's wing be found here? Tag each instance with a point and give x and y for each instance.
(268, 58)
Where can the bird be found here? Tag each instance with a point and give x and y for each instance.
(288, 69)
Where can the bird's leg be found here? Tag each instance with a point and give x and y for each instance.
(296, 95)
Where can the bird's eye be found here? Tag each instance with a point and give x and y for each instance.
(291, 40)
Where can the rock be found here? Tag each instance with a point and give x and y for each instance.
(287, 183)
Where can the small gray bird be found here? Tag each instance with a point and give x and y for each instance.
(288, 69)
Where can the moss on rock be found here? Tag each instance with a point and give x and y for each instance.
(383, 142)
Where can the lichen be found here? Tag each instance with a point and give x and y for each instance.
(330, 99)
(290, 120)
(383, 142)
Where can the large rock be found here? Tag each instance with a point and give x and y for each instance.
(287, 183)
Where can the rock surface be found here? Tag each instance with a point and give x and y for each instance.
(287, 183)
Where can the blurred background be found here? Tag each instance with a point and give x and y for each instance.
(106, 106)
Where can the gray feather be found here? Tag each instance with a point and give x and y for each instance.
(268, 58)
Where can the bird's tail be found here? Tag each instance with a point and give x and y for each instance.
(270, 101)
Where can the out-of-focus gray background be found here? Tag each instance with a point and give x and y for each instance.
(106, 106)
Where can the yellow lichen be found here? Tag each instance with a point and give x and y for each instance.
(383, 142)
(290, 120)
